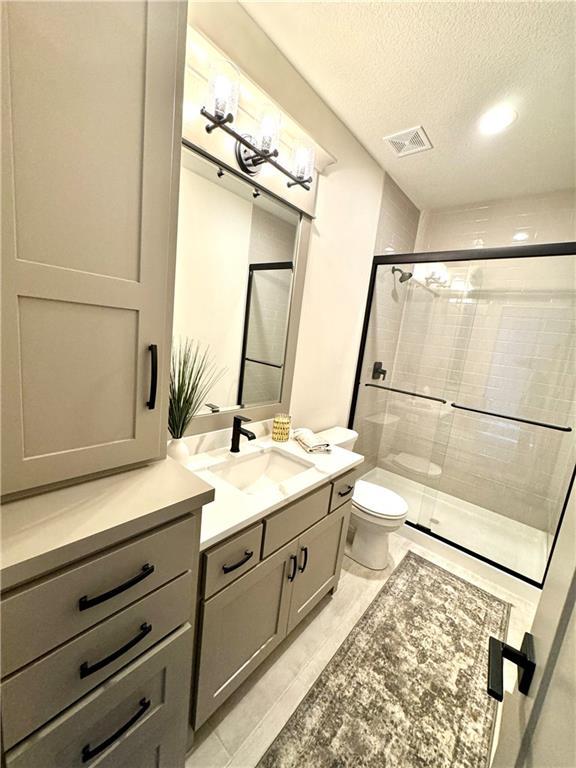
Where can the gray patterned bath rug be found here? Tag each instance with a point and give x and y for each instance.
(407, 688)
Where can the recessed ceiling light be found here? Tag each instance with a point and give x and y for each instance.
(388, 249)
(520, 235)
(497, 119)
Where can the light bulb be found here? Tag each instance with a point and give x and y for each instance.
(269, 131)
(302, 161)
(224, 85)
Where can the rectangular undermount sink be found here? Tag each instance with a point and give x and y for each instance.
(260, 472)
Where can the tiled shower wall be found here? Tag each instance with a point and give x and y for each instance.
(546, 218)
(507, 351)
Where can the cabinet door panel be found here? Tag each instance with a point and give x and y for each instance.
(320, 558)
(241, 625)
(89, 177)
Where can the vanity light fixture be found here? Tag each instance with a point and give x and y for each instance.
(269, 131)
(251, 152)
(302, 162)
(223, 92)
(268, 135)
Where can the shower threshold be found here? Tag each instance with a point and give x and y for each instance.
(518, 548)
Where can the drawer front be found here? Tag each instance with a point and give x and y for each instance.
(225, 563)
(342, 489)
(292, 520)
(143, 710)
(43, 689)
(48, 613)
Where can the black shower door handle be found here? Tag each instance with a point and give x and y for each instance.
(153, 349)
(524, 658)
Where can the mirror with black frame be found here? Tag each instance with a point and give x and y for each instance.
(235, 265)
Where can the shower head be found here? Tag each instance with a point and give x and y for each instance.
(404, 276)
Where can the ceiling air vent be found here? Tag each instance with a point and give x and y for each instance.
(409, 142)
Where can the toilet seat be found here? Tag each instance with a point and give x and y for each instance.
(378, 501)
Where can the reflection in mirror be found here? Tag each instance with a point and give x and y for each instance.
(234, 269)
(265, 324)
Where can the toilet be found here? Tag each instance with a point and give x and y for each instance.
(376, 511)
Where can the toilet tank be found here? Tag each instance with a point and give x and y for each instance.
(344, 438)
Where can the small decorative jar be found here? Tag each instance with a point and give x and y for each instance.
(281, 427)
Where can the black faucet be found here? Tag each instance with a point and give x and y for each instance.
(237, 430)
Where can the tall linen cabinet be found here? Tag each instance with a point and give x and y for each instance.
(91, 111)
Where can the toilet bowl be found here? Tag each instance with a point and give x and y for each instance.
(376, 511)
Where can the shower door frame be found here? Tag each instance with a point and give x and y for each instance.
(472, 254)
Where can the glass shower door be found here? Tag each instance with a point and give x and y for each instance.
(465, 399)
(400, 418)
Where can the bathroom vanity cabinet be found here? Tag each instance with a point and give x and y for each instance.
(97, 626)
(260, 583)
(91, 105)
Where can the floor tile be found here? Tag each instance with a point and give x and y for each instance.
(240, 732)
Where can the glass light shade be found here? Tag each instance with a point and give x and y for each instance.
(302, 161)
(224, 87)
(269, 132)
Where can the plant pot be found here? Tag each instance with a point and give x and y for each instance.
(178, 450)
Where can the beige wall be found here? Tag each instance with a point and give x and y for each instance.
(344, 230)
(547, 218)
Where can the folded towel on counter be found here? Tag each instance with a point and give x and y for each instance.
(312, 444)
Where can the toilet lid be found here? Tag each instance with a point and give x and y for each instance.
(377, 500)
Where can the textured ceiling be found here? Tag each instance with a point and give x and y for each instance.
(384, 67)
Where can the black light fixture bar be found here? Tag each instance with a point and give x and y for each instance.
(264, 157)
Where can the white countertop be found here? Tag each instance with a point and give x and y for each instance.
(232, 510)
(46, 532)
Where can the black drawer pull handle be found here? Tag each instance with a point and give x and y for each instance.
(88, 753)
(294, 564)
(346, 491)
(86, 669)
(525, 659)
(153, 349)
(302, 567)
(87, 602)
(247, 555)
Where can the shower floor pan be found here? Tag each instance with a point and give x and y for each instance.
(514, 545)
